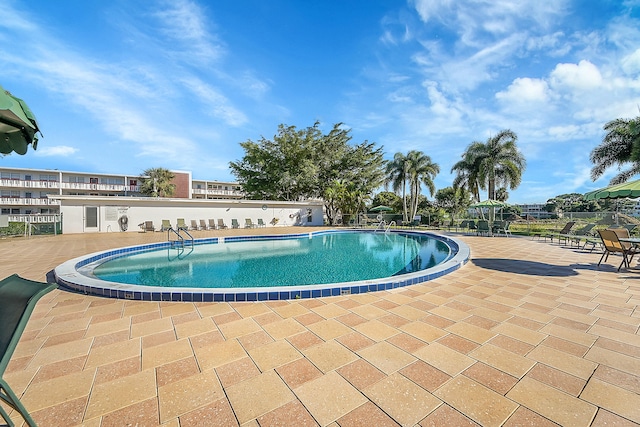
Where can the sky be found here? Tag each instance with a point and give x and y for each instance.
(122, 86)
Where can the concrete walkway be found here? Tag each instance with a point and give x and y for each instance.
(528, 333)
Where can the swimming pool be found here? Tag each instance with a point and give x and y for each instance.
(257, 268)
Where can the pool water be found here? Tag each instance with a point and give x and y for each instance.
(321, 259)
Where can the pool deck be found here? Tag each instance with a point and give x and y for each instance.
(528, 333)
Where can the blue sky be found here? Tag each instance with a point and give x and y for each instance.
(121, 86)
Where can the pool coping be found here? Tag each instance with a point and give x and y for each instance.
(69, 278)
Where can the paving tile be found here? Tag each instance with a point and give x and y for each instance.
(443, 358)
(350, 319)
(393, 320)
(191, 316)
(406, 402)
(256, 339)
(355, 341)
(370, 312)
(329, 311)
(338, 398)
(376, 330)
(274, 354)
(69, 387)
(406, 342)
(329, 329)
(216, 414)
(558, 379)
(259, 395)
(361, 374)
(612, 398)
(194, 327)
(552, 403)
(575, 349)
(292, 413)
(108, 327)
(503, 360)
(60, 352)
(237, 371)
(119, 369)
(621, 379)
(143, 413)
(511, 344)
(65, 414)
(566, 362)
(445, 415)
(284, 328)
(525, 417)
(491, 377)
(238, 328)
(151, 327)
(112, 338)
(425, 375)
(423, 331)
(290, 310)
(329, 356)
(605, 418)
(181, 397)
(158, 338)
(249, 309)
(58, 369)
(365, 416)
(176, 371)
(617, 346)
(304, 340)
(614, 360)
(114, 352)
(122, 392)
(218, 354)
(298, 372)
(166, 353)
(459, 344)
(386, 357)
(481, 404)
(520, 333)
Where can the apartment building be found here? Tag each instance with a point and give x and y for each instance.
(27, 191)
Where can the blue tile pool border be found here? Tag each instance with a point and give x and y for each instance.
(69, 276)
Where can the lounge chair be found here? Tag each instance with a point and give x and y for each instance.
(578, 236)
(148, 226)
(502, 227)
(261, 223)
(248, 223)
(222, 225)
(181, 225)
(565, 230)
(166, 225)
(212, 224)
(630, 227)
(203, 224)
(472, 226)
(19, 296)
(194, 224)
(483, 227)
(612, 244)
(234, 223)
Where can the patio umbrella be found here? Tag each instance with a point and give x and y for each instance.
(381, 208)
(489, 203)
(619, 191)
(18, 126)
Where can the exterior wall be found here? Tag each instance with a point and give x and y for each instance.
(111, 210)
(182, 181)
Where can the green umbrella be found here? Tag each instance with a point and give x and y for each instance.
(381, 208)
(619, 191)
(18, 126)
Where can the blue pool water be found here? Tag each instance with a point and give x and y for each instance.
(327, 258)
(261, 268)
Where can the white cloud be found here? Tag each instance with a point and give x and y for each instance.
(582, 76)
(631, 63)
(55, 151)
(525, 90)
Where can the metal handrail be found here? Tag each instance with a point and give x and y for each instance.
(389, 226)
(188, 234)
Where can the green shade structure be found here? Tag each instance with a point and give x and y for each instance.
(18, 126)
(489, 204)
(381, 208)
(619, 191)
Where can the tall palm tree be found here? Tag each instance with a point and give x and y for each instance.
(420, 170)
(496, 162)
(157, 182)
(467, 171)
(396, 171)
(620, 145)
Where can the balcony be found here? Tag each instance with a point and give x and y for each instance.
(118, 188)
(217, 192)
(18, 183)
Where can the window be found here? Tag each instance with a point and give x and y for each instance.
(27, 195)
(27, 177)
(93, 180)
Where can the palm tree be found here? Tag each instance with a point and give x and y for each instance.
(157, 182)
(420, 170)
(467, 171)
(620, 145)
(396, 171)
(496, 162)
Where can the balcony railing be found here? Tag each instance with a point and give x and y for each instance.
(28, 201)
(35, 218)
(100, 187)
(217, 192)
(19, 183)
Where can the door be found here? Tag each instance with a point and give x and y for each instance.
(90, 218)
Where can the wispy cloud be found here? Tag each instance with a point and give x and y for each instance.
(55, 151)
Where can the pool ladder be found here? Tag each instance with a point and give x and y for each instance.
(384, 226)
(179, 238)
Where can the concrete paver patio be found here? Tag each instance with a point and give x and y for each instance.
(528, 333)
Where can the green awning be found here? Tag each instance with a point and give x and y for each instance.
(625, 190)
(18, 125)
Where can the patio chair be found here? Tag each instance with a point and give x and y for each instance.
(212, 224)
(166, 225)
(234, 223)
(483, 227)
(565, 230)
(181, 225)
(222, 225)
(575, 236)
(472, 226)
(261, 223)
(502, 227)
(630, 227)
(194, 224)
(248, 223)
(148, 226)
(19, 296)
(203, 225)
(612, 244)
